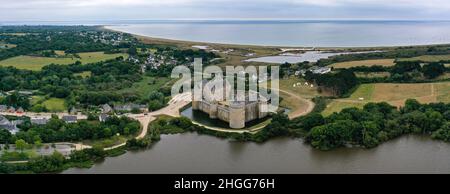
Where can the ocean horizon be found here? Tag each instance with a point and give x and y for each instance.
(300, 33)
(285, 32)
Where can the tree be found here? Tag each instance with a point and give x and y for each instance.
(5, 136)
(132, 51)
(309, 121)
(433, 70)
(21, 144)
(37, 141)
(52, 163)
(443, 133)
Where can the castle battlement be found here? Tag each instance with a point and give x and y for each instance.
(236, 113)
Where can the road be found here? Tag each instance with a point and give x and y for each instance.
(299, 112)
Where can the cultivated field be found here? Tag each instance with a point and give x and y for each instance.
(368, 63)
(428, 58)
(36, 63)
(394, 94)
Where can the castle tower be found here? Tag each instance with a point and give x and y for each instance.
(237, 115)
(262, 109)
(213, 110)
(195, 105)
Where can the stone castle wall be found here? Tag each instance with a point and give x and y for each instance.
(236, 114)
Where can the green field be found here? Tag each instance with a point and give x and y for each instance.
(83, 74)
(36, 100)
(394, 94)
(55, 104)
(36, 63)
(337, 106)
(364, 91)
(147, 85)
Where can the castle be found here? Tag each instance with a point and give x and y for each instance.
(236, 113)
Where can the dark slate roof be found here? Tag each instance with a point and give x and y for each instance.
(39, 121)
(69, 118)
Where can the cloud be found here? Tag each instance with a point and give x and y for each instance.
(172, 9)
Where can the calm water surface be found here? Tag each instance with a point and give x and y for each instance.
(192, 153)
(297, 33)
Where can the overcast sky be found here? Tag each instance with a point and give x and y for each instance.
(73, 10)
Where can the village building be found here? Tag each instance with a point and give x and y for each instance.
(11, 126)
(39, 121)
(3, 108)
(103, 117)
(69, 118)
(106, 108)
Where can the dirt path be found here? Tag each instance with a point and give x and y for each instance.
(299, 112)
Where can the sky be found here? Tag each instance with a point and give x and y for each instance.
(105, 10)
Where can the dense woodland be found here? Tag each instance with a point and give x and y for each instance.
(405, 72)
(71, 39)
(56, 130)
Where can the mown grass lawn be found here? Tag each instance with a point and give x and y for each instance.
(36, 63)
(55, 104)
(148, 84)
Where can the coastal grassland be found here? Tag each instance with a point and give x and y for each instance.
(84, 74)
(443, 92)
(302, 90)
(55, 104)
(148, 84)
(295, 106)
(364, 91)
(394, 94)
(297, 99)
(372, 74)
(337, 106)
(16, 34)
(428, 58)
(36, 63)
(233, 55)
(367, 63)
(60, 53)
(6, 46)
